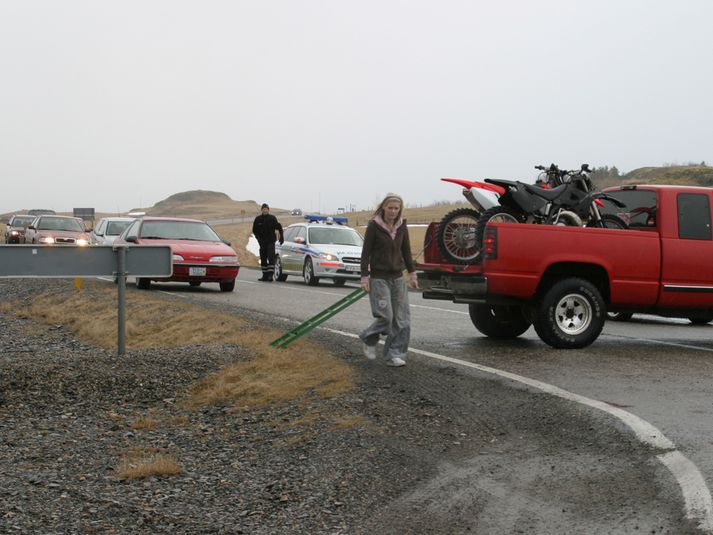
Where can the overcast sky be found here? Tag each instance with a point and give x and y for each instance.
(327, 104)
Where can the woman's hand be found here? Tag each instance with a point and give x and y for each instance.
(365, 284)
(413, 280)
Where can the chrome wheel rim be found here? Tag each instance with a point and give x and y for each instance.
(459, 238)
(573, 314)
(308, 272)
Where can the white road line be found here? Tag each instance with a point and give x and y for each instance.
(298, 289)
(698, 504)
(693, 486)
(335, 294)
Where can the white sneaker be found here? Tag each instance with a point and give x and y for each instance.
(369, 351)
(396, 361)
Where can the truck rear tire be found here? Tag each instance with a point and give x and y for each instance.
(501, 322)
(571, 314)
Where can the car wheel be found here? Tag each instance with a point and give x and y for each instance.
(279, 275)
(571, 314)
(143, 284)
(194, 283)
(339, 282)
(308, 273)
(227, 286)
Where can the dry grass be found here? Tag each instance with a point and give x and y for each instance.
(349, 422)
(278, 375)
(270, 376)
(144, 423)
(139, 463)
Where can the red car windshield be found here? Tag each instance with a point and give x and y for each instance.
(177, 230)
(19, 221)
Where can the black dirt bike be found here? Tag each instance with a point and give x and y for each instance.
(557, 198)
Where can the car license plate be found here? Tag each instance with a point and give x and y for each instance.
(196, 272)
(353, 268)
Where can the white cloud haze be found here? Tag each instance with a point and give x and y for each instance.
(323, 104)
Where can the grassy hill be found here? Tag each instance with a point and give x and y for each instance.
(201, 204)
(684, 175)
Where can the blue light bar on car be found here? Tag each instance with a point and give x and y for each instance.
(326, 219)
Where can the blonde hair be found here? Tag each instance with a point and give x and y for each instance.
(389, 197)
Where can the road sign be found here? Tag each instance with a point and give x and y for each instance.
(55, 261)
(27, 261)
(87, 214)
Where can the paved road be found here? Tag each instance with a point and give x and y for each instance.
(657, 369)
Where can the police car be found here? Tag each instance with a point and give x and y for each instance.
(320, 248)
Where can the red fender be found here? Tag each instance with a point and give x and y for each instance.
(468, 184)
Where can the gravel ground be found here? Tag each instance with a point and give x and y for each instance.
(421, 449)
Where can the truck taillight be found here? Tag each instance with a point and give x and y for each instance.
(490, 243)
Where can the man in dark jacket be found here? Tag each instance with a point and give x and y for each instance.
(264, 228)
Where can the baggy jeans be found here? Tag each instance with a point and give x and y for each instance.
(390, 308)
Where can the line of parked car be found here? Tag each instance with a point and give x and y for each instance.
(199, 254)
(315, 249)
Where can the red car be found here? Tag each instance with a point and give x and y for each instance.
(15, 229)
(58, 230)
(199, 255)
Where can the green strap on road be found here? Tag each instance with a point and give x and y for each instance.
(302, 329)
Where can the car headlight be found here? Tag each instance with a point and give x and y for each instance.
(82, 241)
(225, 259)
(327, 256)
(46, 239)
(177, 257)
(14, 233)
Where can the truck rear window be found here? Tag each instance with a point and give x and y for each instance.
(640, 210)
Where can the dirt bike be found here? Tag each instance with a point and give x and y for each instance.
(557, 198)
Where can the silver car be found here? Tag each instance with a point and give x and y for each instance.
(320, 248)
(108, 229)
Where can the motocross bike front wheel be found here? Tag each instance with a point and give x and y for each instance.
(496, 214)
(456, 236)
(609, 221)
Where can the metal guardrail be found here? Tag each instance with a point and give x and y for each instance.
(71, 261)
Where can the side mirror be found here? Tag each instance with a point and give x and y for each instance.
(132, 239)
(30, 226)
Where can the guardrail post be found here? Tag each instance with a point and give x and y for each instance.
(121, 280)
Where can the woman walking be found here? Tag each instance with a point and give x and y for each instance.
(385, 254)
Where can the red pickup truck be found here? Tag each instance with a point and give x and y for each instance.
(563, 280)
